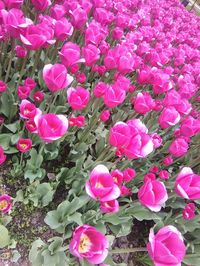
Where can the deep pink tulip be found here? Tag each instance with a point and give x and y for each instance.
(166, 246)
(81, 77)
(90, 54)
(119, 135)
(79, 18)
(51, 127)
(157, 140)
(109, 206)
(24, 145)
(114, 96)
(23, 92)
(3, 86)
(129, 174)
(31, 126)
(38, 96)
(33, 37)
(5, 203)
(63, 29)
(187, 184)
(153, 195)
(90, 244)
(189, 211)
(78, 121)
(101, 186)
(143, 103)
(2, 155)
(56, 77)
(100, 89)
(57, 11)
(27, 110)
(41, 5)
(164, 174)
(179, 147)
(125, 191)
(20, 51)
(167, 160)
(117, 176)
(13, 3)
(30, 83)
(169, 117)
(190, 126)
(139, 146)
(78, 97)
(105, 115)
(70, 54)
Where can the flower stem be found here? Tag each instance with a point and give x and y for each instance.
(127, 250)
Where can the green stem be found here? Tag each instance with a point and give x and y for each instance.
(37, 57)
(127, 250)
(22, 69)
(21, 159)
(10, 62)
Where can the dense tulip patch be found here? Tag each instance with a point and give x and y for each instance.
(100, 115)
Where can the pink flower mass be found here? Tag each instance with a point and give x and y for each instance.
(100, 129)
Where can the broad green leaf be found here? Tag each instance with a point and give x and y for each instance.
(4, 236)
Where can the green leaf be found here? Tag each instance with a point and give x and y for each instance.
(76, 217)
(35, 255)
(51, 219)
(4, 236)
(13, 127)
(5, 141)
(192, 259)
(55, 245)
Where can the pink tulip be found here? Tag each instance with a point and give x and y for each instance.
(109, 206)
(5, 203)
(157, 140)
(117, 176)
(63, 29)
(88, 243)
(56, 77)
(23, 92)
(70, 54)
(125, 191)
(81, 77)
(57, 11)
(78, 121)
(169, 117)
(164, 174)
(30, 83)
(187, 184)
(189, 211)
(3, 86)
(90, 54)
(41, 5)
(38, 96)
(178, 147)
(78, 97)
(136, 127)
(13, 3)
(27, 110)
(153, 195)
(167, 160)
(100, 89)
(2, 120)
(139, 146)
(21, 52)
(79, 18)
(101, 186)
(143, 103)
(129, 174)
(166, 246)
(119, 135)
(2, 155)
(105, 115)
(51, 127)
(114, 96)
(24, 145)
(33, 37)
(190, 126)
(31, 126)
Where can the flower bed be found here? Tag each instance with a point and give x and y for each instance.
(99, 129)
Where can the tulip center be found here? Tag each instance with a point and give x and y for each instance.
(98, 185)
(26, 111)
(23, 146)
(84, 244)
(3, 204)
